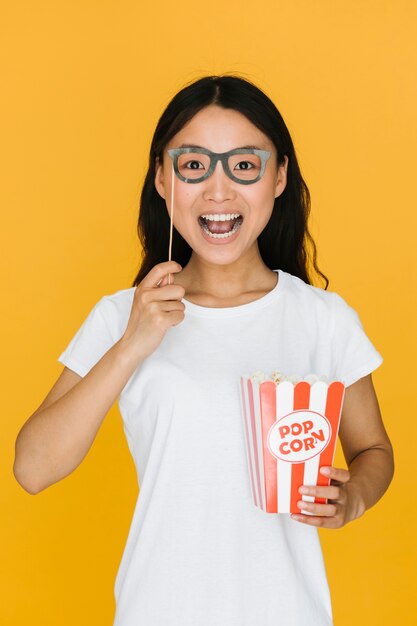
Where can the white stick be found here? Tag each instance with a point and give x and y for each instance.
(171, 220)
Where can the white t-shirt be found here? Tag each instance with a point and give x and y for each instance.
(199, 552)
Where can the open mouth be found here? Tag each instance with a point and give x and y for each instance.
(220, 226)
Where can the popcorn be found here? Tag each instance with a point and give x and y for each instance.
(258, 376)
(278, 377)
(291, 426)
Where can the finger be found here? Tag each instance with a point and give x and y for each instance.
(168, 279)
(319, 522)
(336, 473)
(321, 491)
(169, 292)
(327, 510)
(158, 272)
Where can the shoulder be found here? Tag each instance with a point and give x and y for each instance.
(323, 306)
(300, 291)
(120, 299)
(316, 300)
(115, 309)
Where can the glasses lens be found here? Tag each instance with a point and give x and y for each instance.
(193, 164)
(245, 166)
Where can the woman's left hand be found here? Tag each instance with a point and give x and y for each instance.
(342, 504)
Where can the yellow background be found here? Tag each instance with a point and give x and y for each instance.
(84, 83)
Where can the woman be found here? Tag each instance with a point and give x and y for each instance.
(172, 347)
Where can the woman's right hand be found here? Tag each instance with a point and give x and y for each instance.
(156, 306)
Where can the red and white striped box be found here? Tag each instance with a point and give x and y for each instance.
(290, 432)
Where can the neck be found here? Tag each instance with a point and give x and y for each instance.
(246, 275)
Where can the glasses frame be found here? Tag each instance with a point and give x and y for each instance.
(219, 156)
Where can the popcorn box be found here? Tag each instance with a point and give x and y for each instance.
(291, 431)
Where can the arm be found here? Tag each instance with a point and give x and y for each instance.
(369, 456)
(57, 436)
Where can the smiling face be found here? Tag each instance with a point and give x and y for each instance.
(220, 130)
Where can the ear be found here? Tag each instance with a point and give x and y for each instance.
(282, 177)
(159, 178)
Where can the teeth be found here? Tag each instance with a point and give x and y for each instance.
(222, 235)
(221, 218)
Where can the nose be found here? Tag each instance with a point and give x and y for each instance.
(219, 186)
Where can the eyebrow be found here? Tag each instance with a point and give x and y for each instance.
(190, 145)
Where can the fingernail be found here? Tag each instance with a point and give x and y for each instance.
(325, 470)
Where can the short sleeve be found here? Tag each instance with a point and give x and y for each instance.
(91, 341)
(354, 354)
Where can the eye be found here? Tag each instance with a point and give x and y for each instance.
(193, 168)
(248, 163)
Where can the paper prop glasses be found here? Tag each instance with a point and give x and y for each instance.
(252, 160)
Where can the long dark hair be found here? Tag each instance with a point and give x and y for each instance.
(285, 242)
